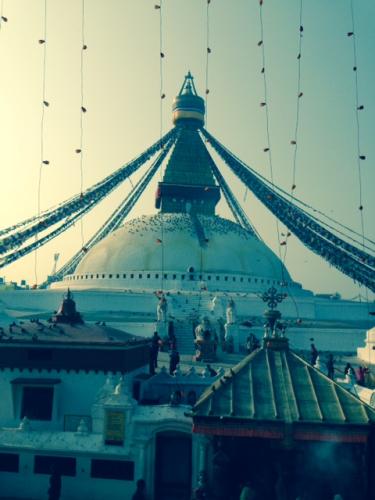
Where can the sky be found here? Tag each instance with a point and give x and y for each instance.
(121, 89)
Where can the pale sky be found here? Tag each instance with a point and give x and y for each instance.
(121, 94)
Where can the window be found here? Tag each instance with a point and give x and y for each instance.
(124, 275)
(256, 280)
(132, 276)
(209, 278)
(39, 354)
(117, 276)
(234, 279)
(217, 278)
(191, 277)
(241, 279)
(97, 275)
(148, 276)
(156, 276)
(182, 276)
(86, 277)
(9, 462)
(92, 276)
(140, 276)
(112, 469)
(226, 278)
(103, 275)
(109, 275)
(174, 276)
(165, 276)
(43, 464)
(200, 276)
(249, 280)
(37, 403)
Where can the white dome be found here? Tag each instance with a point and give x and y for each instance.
(179, 243)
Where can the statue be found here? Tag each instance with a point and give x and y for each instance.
(162, 309)
(203, 330)
(205, 341)
(231, 312)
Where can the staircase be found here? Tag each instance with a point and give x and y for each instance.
(188, 310)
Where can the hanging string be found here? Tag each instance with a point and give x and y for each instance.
(45, 104)
(265, 104)
(358, 107)
(3, 19)
(208, 52)
(83, 109)
(159, 7)
(294, 140)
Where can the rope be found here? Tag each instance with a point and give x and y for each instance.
(268, 150)
(208, 52)
(82, 111)
(3, 19)
(162, 97)
(45, 104)
(294, 141)
(358, 108)
(264, 104)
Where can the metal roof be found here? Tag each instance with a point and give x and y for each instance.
(276, 385)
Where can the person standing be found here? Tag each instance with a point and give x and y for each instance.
(313, 354)
(140, 492)
(54, 489)
(330, 367)
(174, 359)
(155, 346)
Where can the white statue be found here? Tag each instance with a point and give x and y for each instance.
(231, 312)
(162, 309)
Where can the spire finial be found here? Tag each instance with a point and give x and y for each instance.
(188, 107)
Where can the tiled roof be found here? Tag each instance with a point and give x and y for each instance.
(278, 386)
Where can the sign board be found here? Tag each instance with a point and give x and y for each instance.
(114, 427)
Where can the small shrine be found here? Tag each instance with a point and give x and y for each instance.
(268, 421)
(67, 312)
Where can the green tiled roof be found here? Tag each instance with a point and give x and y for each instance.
(279, 386)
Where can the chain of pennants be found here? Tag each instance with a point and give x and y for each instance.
(73, 208)
(233, 204)
(117, 217)
(349, 259)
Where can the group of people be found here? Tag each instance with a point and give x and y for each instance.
(174, 356)
(358, 374)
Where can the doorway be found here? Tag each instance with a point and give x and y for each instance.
(173, 466)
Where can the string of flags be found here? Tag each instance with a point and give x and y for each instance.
(87, 199)
(349, 259)
(118, 216)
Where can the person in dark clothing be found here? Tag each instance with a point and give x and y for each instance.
(174, 359)
(155, 345)
(330, 367)
(54, 489)
(313, 354)
(213, 372)
(140, 493)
